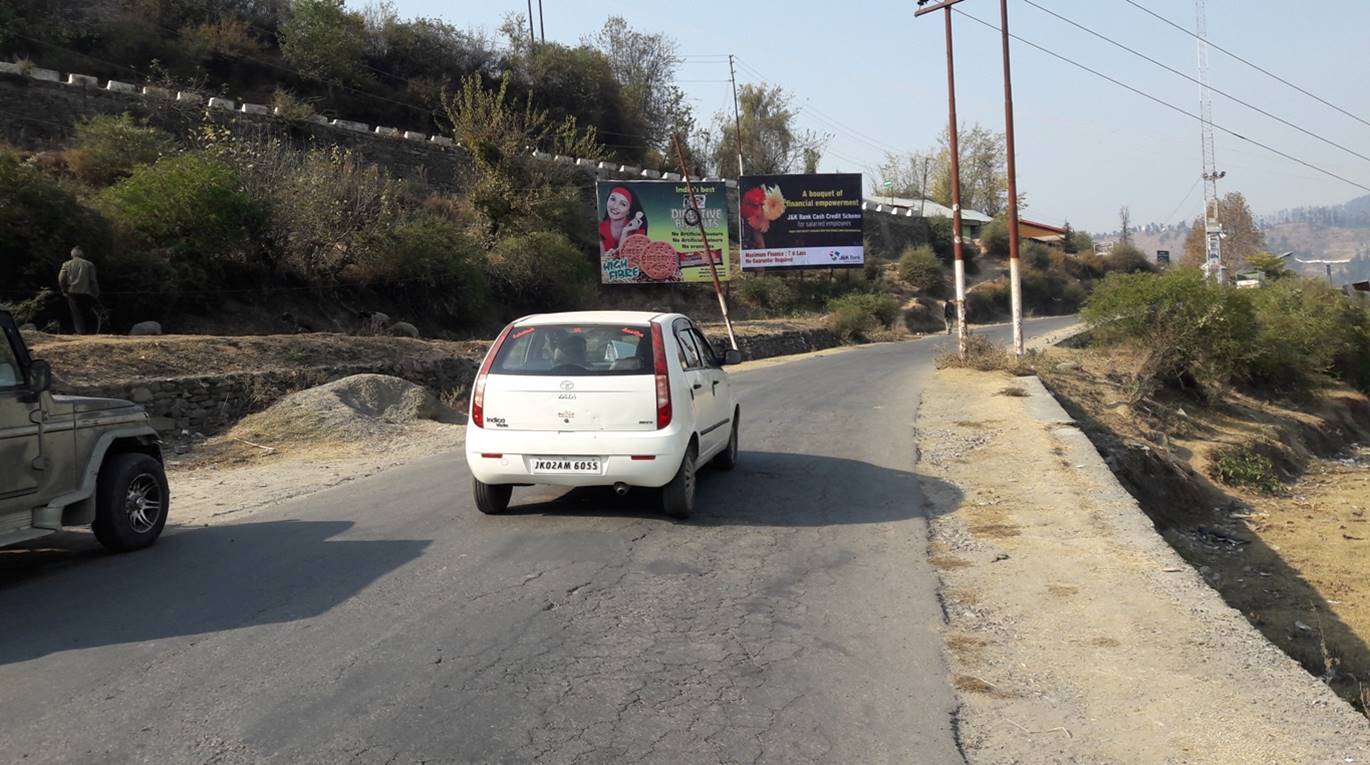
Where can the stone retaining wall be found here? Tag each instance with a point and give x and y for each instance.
(212, 403)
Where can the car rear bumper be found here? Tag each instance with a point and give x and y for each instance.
(499, 457)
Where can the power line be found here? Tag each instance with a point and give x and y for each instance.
(1167, 104)
(1183, 202)
(1249, 63)
(1196, 81)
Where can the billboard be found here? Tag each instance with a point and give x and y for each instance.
(648, 234)
(801, 221)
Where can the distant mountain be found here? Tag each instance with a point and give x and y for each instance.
(1353, 214)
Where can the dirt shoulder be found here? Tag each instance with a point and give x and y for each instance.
(1075, 633)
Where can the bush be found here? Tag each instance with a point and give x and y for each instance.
(1303, 327)
(190, 211)
(1189, 330)
(428, 261)
(767, 294)
(983, 355)
(39, 224)
(921, 269)
(1036, 255)
(854, 316)
(994, 238)
(1126, 259)
(1244, 466)
(988, 302)
(107, 148)
(540, 270)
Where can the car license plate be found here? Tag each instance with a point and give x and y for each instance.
(564, 465)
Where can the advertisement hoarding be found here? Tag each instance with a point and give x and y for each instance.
(801, 221)
(648, 235)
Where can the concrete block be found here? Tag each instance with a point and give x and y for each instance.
(410, 135)
(650, 173)
(730, 183)
(387, 132)
(46, 75)
(564, 159)
(221, 103)
(607, 167)
(318, 119)
(541, 154)
(156, 92)
(9, 67)
(590, 163)
(630, 169)
(442, 140)
(83, 80)
(672, 177)
(360, 127)
(186, 97)
(255, 109)
(114, 86)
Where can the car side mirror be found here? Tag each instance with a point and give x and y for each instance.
(40, 377)
(732, 356)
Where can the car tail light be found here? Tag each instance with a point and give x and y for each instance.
(478, 388)
(663, 380)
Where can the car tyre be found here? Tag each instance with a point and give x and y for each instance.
(492, 498)
(131, 502)
(727, 459)
(678, 496)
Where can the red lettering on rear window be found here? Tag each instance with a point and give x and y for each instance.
(633, 332)
(523, 332)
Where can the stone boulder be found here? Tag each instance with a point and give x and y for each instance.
(146, 328)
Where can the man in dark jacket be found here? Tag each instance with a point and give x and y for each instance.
(77, 281)
(949, 314)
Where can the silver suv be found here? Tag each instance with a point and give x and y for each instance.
(73, 460)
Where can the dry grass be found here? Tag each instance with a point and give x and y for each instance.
(947, 562)
(995, 530)
(1062, 590)
(966, 647)
(1014, 392)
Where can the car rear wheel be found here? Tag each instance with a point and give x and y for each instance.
(492, 498)
(131, 502)
(678, 496)
(727, 459)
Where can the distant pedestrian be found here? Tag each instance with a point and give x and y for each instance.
(77, 281)
(949, 314)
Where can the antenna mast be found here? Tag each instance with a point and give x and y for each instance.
(1213, 229)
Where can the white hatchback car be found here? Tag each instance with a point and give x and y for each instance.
(600, 398)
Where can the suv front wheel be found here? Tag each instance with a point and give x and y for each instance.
(131, 502)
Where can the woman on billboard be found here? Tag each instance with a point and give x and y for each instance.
(623, 217)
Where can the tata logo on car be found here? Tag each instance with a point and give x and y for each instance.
(568, 385)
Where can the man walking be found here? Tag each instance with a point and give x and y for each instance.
(77, 281)
(948, 314)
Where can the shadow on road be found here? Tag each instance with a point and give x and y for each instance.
(71, 595)
(770, 489)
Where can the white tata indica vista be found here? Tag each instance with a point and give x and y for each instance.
(600, 398)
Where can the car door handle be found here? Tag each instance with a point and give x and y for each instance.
(715, 388)
(697, 386)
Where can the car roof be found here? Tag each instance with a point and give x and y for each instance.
(591, 317)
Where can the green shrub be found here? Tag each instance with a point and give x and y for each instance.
(1303, 327)
(1036, 255)
(766, 294)
(1189, 329)
(921, 269)
(539, 270)
(854, 316)
(1246, 467)
(191, 211)
(994, 238)
(107, 148)
(39, 224)
(988, 302)
(1273, 266)
(431, 262)
(983, 355)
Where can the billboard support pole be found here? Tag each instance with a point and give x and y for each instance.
(1015, 283)
(955, 152)
(708, 251)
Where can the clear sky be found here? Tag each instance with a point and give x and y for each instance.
(875, 78)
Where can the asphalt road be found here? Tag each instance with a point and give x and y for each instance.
(793, 620)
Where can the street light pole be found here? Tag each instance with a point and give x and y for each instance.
(955, 151)
(737, 117)
(1015, 284)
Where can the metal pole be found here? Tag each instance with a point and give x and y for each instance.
(923, 192)
(1015, 284)
(542, 24)
(532, 38)
(955, 193)
(737, 118)
(708, 252)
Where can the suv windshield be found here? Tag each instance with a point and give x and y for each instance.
(576, 349)
(9, 364)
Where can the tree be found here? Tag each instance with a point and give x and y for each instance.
(324, 41)
(771, 144)
(984, 174)
(811, 157)
(1273, 266)
(1124, 225)
(908, 175)
(1241, 237)
(644, 66)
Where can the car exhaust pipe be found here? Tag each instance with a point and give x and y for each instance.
(621, 489)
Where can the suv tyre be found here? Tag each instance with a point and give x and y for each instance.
(131, 502)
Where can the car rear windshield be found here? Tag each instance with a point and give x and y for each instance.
(576, 349)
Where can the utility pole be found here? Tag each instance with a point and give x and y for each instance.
(737, 117)
(532, 38)
(542, 25)
(1213, 228)
(959, 263)
(704, 236)
(923, 190)
(1015, 284)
